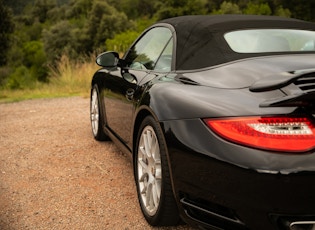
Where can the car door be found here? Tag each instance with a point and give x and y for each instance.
(139, 66)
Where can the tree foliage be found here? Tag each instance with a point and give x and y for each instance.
(173, 8)
(103, 23)
(259, 9)
(39, 32)
(228, 8)
(59, 39)
(35, 59)
(6, 28)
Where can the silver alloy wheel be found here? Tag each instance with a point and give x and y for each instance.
(94, 112)
(149, 170)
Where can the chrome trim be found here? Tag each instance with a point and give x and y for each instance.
(297, 225)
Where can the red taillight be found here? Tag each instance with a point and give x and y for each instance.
(285, 134)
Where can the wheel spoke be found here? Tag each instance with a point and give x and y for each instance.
(155, 149)
(94, 112)
(147, 143)
(155, 194)
(144, 166)
(146, 194)
(142, 151)
(145, 185)
(143, 171)
(149, 170)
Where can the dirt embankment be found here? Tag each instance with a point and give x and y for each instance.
(54, 175)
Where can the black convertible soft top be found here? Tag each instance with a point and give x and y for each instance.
(200, 38)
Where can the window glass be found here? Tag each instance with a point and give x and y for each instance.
(145, 53)
(164, 62)
(271, 40)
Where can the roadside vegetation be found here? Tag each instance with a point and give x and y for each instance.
(48, 47)
(67, 78)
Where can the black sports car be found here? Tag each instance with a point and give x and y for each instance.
(218, 113)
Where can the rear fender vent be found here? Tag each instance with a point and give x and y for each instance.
(306, 83)
(300, 91)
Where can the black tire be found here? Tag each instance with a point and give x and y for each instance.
(152, 176)
(96, 116)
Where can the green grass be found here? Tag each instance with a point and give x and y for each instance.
(67, 79)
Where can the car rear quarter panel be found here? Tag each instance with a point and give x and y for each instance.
(171, 101)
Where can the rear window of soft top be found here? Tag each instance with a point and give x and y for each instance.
(271, 40)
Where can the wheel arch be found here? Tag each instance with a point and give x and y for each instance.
(102, 135)
(143, 112)
(141, 115)
(94, 81)
(97, 77)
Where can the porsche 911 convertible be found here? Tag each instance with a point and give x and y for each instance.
(218, 114)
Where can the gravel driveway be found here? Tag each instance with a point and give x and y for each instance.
(54, 175)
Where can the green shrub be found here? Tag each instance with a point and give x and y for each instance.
(21, 78)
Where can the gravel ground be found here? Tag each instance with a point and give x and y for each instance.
(54, 175)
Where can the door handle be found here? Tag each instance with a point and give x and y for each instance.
(129, 94)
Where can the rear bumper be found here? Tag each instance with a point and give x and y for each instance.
(236, 198)
(212, 191)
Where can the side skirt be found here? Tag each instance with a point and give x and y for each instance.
(118, 142)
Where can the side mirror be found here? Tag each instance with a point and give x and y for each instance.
(108, 59)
